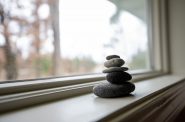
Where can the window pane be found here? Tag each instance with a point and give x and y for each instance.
(43, 38)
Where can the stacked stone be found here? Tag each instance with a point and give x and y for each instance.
(117, 85)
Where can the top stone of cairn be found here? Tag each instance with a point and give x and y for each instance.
(114, 62)
(112, 56)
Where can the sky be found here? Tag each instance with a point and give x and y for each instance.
(85, 29)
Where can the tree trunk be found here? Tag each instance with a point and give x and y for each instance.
(54, 9)
(10, 65)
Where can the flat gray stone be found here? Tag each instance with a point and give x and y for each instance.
(112, 56)
(115, 69)
(114, 62)
(118, 77)
(107, 90)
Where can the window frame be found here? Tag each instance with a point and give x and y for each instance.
(42, 89)
(159, 56)
(158, 33)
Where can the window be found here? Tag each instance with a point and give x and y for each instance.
(30, 31)
(44, 38)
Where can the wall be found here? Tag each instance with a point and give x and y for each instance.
(177, 35)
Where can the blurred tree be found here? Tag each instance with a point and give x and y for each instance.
(54, 9)
(10, 56)
(139, 60)
(78, 65)
(46, 65)
(37, 42)
(28, 25)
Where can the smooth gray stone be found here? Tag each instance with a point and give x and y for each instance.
(118, 77)
(112, 56)
(114, 62)
(107, 90)
(115, 69)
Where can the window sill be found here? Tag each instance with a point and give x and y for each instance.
(88, 107)
(41, 91)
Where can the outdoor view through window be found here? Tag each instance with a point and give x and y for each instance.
(45, 38)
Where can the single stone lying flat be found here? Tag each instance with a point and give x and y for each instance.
(115, 69)
(114, 62)
(107, 90)
(118, 77)
(112, 56)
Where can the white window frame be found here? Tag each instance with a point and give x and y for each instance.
(43, 90)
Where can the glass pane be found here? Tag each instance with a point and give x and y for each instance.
(44, 38)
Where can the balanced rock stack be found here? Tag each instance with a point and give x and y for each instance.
(117, 85)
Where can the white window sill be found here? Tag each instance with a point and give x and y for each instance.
(88, 107)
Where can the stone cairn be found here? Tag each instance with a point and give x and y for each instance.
(117, 85)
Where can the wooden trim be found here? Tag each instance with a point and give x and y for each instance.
(165, 105)
(14, 101)
(20, 100)
(148, 93)
(32, 85)
(159, 45)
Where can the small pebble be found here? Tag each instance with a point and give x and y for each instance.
(107, 90)
(118, 77)
(112, 56)
(115, 69)
(114, 62)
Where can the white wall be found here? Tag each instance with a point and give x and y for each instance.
(177, 35)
